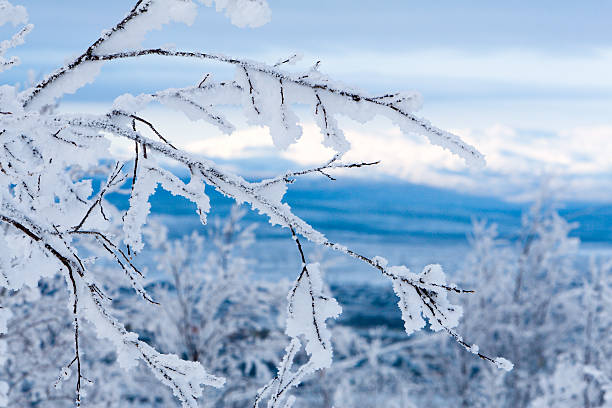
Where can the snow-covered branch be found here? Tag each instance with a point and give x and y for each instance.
(47, 195)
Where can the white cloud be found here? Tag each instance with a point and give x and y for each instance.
(516, 158)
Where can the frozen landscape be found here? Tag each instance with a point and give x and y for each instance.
(230, 203)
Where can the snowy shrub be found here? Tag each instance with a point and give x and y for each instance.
(536, 303)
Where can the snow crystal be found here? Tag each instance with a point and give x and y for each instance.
(131, 104)
(68, 83)
(307, 311)
(136, 216)
(158, 13)
(504, 364)
(422, 296)
(243, 13)
(409, 302)
(12, 14)
(380, 261)
(272, 191)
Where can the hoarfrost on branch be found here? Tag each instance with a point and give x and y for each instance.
(49, 212)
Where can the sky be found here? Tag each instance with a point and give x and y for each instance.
(528, 83)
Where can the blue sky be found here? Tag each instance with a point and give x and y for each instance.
(529, 83)
(336, 30)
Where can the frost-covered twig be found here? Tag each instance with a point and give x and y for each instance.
(287, 177)
(350, 98)
(114, 180)
(15, 15)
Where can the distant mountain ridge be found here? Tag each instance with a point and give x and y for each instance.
(390, 209)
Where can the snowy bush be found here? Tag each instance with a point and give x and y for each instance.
(538, 304)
